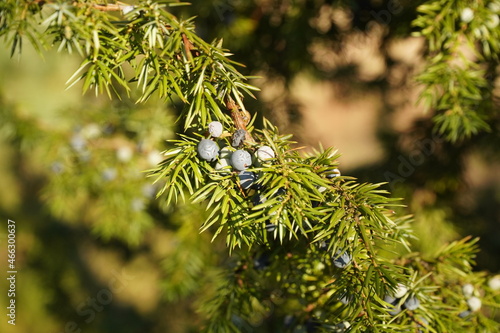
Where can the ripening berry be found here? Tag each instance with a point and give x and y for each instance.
(84, 155)
(238, 137)
(332, 173)
(494, 7)
(288, 320)
(247, 179)
(280, 191)
(148, 190)
(474, 303)
(215, 129)
(124, 154)
(265, 153)
(127, 9)
(412, 303)
(270, 227)
(241, 159)
(109, 174)
(154, 157)
(345, 299)
(400, 291)
(137, 204)
(494, 283)
(91, 131)
(493, 21)
(321, 189)
(468, 290)
(324, 245)
(394, 307)
(391, 300)
(222, 164)
(226, 152)
(208, 150)
(78, 143)
(342, 260)
(464, 314)
(108, 129)
(343, 326)
(422, 323)
(224, 161)
(258, 199)
(467, 15)
(57, 167)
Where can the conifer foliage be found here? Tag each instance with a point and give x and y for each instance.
(310, 248)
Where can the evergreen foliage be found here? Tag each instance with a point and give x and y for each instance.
(311, 248)
(463, 44)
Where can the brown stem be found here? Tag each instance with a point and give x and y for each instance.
(240, 119)
(188, 47)
(108, 8)
(112, 7)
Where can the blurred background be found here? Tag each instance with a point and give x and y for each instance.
(97, 252)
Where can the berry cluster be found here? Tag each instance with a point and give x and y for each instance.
(233, 158)
(473, 302)
(396, 300)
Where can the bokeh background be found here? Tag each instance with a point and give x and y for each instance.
(97, 252)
